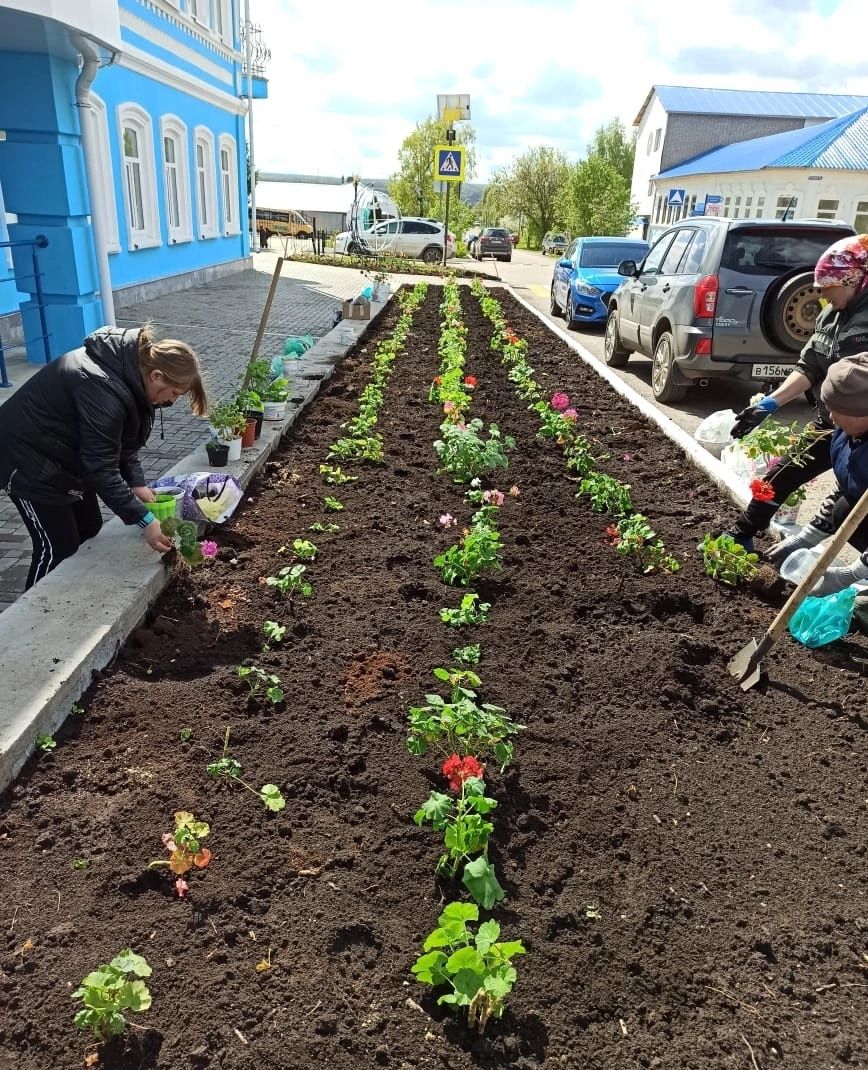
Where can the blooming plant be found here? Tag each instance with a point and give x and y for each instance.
(230, 768)
(290, 581)
(634, 535)
(478, 551)
(185, 849)
(470, 611)
(726, 560)
(459, 722)
(762, 491)
(332, 473)
(184, 535)
(110, 989)
(559, 402)
(607, 495)
(774, 439)
(465, 454)
(209, 549)
(261, 682)
(477, 970)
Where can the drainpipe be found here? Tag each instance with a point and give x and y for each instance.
(248, 48)
(90, 65)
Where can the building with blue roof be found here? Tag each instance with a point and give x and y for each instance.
(123, 150)
(680, 124)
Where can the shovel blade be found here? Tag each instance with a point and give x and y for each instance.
(746, 666)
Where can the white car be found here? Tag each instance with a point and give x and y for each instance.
(421, 239)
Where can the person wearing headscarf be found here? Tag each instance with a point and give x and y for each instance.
(841, 330)
(845, 395)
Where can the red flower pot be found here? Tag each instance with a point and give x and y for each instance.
(249, 436)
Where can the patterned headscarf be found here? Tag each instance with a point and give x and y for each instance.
(844, 264)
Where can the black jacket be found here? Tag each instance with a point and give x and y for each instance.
(78, 425)
(836, 335)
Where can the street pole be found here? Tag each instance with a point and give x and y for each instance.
(446, 222)
(248, 48)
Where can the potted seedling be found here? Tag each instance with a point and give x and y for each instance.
(250, 403)
(218, 453)
(274, 398)
(228, 423)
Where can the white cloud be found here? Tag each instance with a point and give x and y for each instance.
(348, 82)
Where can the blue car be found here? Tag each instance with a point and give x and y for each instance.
(586, 276)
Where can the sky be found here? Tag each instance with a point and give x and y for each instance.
(349, 81)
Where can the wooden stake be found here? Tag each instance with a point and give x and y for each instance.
(263, 320)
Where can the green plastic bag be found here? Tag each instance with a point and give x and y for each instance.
(297, 344)
(819, 621)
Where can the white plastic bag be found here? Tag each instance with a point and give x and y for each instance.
(744, 467)
(715, 431)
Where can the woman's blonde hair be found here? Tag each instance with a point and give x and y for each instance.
(179, 366)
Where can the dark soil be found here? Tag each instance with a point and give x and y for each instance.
(684, 861)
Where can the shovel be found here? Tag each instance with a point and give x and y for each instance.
(747, 664)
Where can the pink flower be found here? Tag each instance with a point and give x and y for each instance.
(627, 457)
(209, 548)
(181, 887)
(449, 407)
(559, 402)
(493, 497)
(447, 520)
(570, 414)
(513, 491)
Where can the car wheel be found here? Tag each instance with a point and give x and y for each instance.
(432, 255)
(569, 311)
(791, 311)
(507, 259)
(665, 390)
(614, 354)
(554, 307)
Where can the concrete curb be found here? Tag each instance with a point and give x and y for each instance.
(716, 471)
(57, 635)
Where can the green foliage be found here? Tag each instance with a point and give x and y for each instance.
(304, 549)
(467, 655)
(273, 632)
(462, 821)
(726, 560)
(607, 495)
(45, 742)
(110, 989)
(596, 199)
(774, 439)
(230, 769)
(635, 536)
(332, 473)
(290, 581)
(532, 188)
(612, 144)
(185, 735)
(412, 185)
(464, 454)
(475, 553)
(184, 535)
(327, 528)
(261, 682)
(470, 611)
(476, 968)
(332, 504)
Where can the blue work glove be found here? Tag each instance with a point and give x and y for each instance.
(753, 416)
(803, 539)
(837, 579)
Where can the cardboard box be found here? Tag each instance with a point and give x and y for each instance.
(352, 311)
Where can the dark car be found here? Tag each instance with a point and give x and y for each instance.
(493, 242)
(586, 276)
(719, 298)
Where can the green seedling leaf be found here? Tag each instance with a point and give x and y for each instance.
(271, 796)
(480, 880)
(45, 742)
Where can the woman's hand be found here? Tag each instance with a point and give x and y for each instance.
(144, 494)
(156, 539)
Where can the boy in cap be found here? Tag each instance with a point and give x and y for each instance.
(845, 395)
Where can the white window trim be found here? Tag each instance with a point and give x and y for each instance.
(103, 199)
(172, 127)
(225, 9)
(227, 143)
(205, 136)
(133, 116)
(196, 16)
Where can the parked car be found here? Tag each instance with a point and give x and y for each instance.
(719, 298)
(554, 243)
(418, 238)
(586, 276)
(494, 242)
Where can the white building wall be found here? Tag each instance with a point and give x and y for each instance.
(649, 150)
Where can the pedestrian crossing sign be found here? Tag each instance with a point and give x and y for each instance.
(449, 163)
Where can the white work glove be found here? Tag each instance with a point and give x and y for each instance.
(803, 539)
(838, 579)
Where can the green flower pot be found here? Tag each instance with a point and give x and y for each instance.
(165, 506)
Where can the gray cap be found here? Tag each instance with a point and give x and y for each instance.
(845, 388)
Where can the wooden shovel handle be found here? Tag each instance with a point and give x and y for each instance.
(855, 517)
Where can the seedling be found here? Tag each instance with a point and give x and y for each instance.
(467, 655)
(261, 682)
(185, 848)
(185, 735)
(332, 504)
(464, 454)
(328, 528)
(110, 989)
(45, 742)
(634, 535)
(726, 560)
(470, 611)
(185, 536)
(303, 549)
(333, 473)
(477, 968)
(607, 495)
(290, 580)
(80, 863)
(476, 552)
(274, 633)
(76, 710)
(230, 768)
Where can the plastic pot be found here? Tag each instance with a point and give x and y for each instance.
(235, 449)
(218, 456)
(275, 410)
(249, 436)
(166, 505)
(257, 415)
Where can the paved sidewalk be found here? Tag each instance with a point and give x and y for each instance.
(219, 319)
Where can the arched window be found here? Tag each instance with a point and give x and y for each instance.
(206, 189)
(229, 185)
(140, 185)
(103, 199)
(176, 179)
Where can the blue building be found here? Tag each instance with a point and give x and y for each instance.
(122, 142)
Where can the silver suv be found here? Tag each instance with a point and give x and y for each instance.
(719, 298)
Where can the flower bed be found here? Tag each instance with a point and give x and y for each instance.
(680, 859)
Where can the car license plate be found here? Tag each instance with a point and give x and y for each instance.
(771, 371)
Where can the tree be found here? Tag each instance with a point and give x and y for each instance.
(534, 188)
(412, 186)
(611, 143)
(596, 199)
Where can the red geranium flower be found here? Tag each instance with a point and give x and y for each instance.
(459, 769)
(762, 491)
(470, 380)
(438, 380)
(613, 536)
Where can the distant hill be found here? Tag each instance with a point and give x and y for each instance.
(470, 191)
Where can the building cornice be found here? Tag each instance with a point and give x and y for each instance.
(164, 40)
(168, 11)
(135, 59)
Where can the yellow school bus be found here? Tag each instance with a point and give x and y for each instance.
(285, 223)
